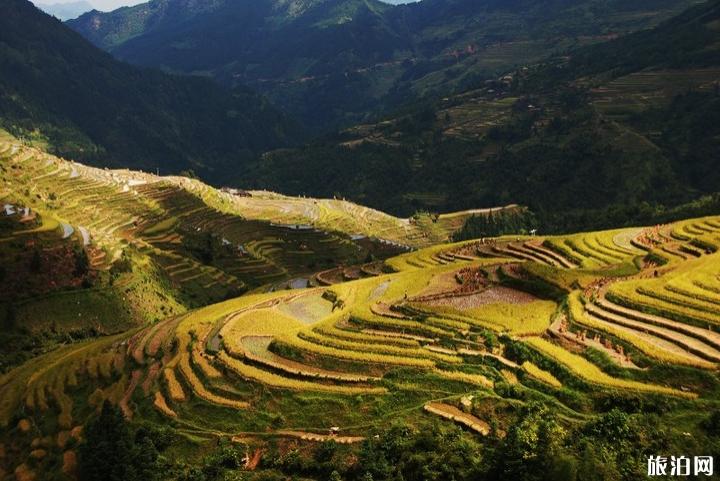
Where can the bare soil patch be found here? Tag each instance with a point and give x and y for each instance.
(493, 295)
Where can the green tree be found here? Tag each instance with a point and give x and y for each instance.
(110, 451)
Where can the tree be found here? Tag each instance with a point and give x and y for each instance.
(531, 446)
(110, 452)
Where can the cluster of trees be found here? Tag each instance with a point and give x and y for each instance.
(494, 224)
(538, 447)
(113, 451)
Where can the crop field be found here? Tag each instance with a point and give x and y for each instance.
(658, 342)
(203, 240)
(591, 373)
(355, 337)
(681, 295)
(636, 92)
(574, 322)
(594, 250)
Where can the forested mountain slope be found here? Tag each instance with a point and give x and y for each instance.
(608, 133)
(58, 88)
(333, 62)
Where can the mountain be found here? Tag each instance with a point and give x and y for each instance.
(59, 89)
(65, 11)
(147, 247)
(129, 354)
(607, 134)
(336, 62)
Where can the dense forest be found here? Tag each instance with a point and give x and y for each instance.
(537, 448)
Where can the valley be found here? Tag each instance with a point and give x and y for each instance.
(157, 246)
(353, 240)
(330, 63)
(389, 322)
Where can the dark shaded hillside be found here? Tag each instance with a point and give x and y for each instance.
(610, 134)
(90, 107)
(338, 62)
(689, 40)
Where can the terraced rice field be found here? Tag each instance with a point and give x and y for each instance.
(593, 250)
(181, 223)
(591, 373)
(419, 335)
(638, 91)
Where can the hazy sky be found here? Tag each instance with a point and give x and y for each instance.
(103, 5)
(108, 5)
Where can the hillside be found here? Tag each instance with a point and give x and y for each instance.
(148, 246)
(598, 337)
(500, 261)
(58, 89)
(334, 62)
(614, 133)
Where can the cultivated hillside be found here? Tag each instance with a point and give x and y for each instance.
(332, 62)
(616, 132)
(499, 336)
(145, 247)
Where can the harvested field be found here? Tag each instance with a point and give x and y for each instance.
(493, 295)
(307, 309)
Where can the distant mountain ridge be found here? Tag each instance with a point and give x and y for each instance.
(335, 62)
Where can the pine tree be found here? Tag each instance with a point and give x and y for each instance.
(110, 453)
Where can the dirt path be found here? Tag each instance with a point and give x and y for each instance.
(319, 438)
